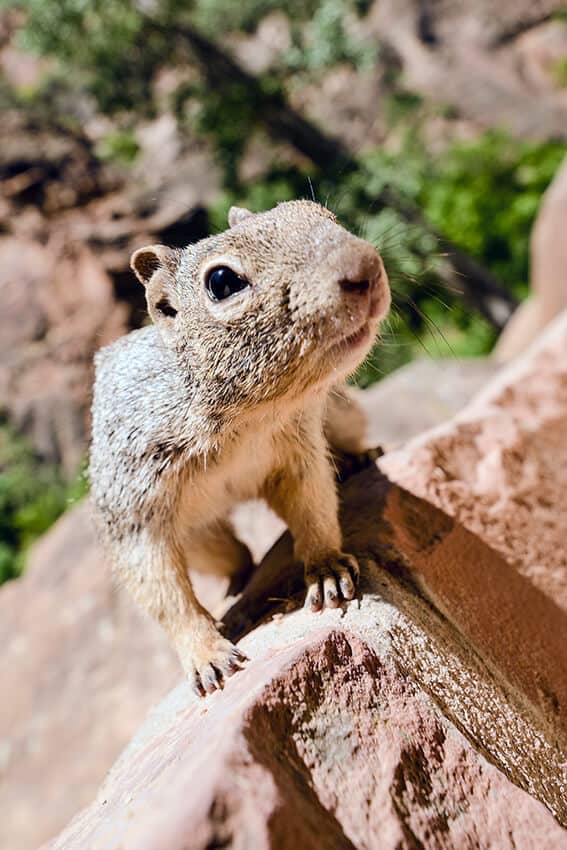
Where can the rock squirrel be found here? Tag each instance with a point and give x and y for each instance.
(224, 398)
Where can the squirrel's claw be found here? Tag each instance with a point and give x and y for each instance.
(208, 672)
(331, 581)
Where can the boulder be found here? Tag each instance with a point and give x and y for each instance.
(373, 726)
(80, 669)
(498, 469)
(430, 713)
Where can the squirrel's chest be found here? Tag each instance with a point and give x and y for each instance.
(234, 478)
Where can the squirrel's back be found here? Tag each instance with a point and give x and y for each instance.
(140, 402)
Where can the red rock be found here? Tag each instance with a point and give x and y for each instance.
(80, 668)
(500, 469)
(324, 741)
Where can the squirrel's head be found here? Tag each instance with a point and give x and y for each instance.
(280, 303)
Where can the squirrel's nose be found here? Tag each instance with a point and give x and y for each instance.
(359, 269)
(361, 279)
(355, 286)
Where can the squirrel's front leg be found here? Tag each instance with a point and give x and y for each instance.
(304, 495)
(153, 569)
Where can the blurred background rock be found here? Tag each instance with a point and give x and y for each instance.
(433, 129)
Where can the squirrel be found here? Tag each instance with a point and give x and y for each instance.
(227, 396)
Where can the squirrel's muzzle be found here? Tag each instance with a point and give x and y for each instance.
(361, 277)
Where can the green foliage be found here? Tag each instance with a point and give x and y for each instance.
(113, 50)
(484, 195)
(221, 16)
(560, 72)
(119, 146)
(326, 41)
(32, 496)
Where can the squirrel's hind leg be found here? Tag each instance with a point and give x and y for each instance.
(216, 550)
(346, 427)
(345, 422)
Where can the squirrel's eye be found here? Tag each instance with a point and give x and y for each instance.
(223, 282)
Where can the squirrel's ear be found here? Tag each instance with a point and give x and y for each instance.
(236, 215)
(146, 261)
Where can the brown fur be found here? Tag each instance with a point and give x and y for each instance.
(225, 401)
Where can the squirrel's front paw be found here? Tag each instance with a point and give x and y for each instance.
(331, 580)
(209, 660)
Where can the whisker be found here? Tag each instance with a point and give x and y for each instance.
(313, 198)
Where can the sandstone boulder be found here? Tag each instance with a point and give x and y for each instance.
(498, 469)
(80, 669)
(376, 726)
(431, 713)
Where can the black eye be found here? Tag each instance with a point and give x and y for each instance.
(223, 282)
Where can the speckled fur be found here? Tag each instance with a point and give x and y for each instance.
(226, 401)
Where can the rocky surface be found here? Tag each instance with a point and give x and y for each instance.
(80, 669)
(325, 743)
(499, 469)
(374, 726)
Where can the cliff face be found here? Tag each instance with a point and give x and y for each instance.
(430, 713)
